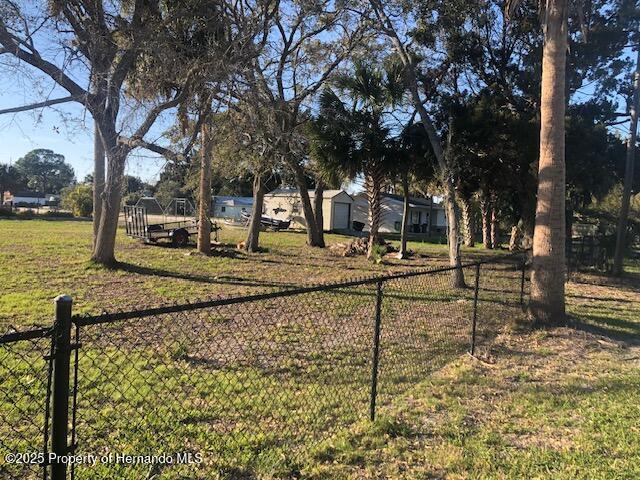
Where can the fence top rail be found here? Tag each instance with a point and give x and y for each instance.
(32, 334)
(82, 320)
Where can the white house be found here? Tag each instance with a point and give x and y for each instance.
(30, 199)
(285, 204)
(426, 216)
(231, 207)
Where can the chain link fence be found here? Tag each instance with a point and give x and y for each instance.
(25, 386)
(241, 387)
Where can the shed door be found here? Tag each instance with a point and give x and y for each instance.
(341, 215)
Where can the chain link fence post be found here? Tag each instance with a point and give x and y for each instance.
(60, 387)
(376, 352)
(475, 310)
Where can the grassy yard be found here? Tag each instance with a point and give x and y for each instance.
(291, 399)
(41, 259)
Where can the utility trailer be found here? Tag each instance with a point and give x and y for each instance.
(178, 232)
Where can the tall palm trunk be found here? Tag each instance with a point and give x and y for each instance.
(514, 239)
(252, 243)
(467, 221)
(495, 227)
(548, 275)
(621, 234)
(405, 216)
(569, 230)
(373, 178)
(98, 179)
(485, 211)
(204, 195)
(318, 201)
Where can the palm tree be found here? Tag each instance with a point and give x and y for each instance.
(353, 143)
(352, 136)
(548, 275)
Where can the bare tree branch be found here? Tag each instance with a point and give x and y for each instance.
(35, 60)
(156, 111)
(132, 143)
(33, 106)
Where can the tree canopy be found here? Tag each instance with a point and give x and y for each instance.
(44, 171)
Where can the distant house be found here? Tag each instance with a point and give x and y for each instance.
(426, 216)
(231, 207)
(30, 199)
(286, 204)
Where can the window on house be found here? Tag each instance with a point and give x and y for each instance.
(223, 209)
(397, 226)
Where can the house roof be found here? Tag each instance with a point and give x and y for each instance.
(30, 194)
(414, 202)
(287, 192)
(230, 201)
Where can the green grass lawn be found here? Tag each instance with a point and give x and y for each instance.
(41, 259)
(280, 389)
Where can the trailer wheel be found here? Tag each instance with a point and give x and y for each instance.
(180, 238)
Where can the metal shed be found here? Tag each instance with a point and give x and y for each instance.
(285, 204)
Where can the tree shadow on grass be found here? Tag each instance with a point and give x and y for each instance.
(600, 299)
(222, 280)
(329, 265)
(628, 282)
(617, 329)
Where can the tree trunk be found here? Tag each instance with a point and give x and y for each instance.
(569, 231)
(548, 272)
(253, 235)
(104, 249)
(455, 260)
(318, 201)
(373, 186)
(485, 210)
(313, 236)
(514, 239)
(467, 221)
(405, 217)
(495, 227)
(98, 179)
(204, 210)
(621, 234)
(528, 222)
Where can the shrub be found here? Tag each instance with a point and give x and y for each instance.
(78, 199)
(378, 251)
(6, 212)
(57, 214)
(26, 214)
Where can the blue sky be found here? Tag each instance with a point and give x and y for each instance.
(66, 129)
(45, 128)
